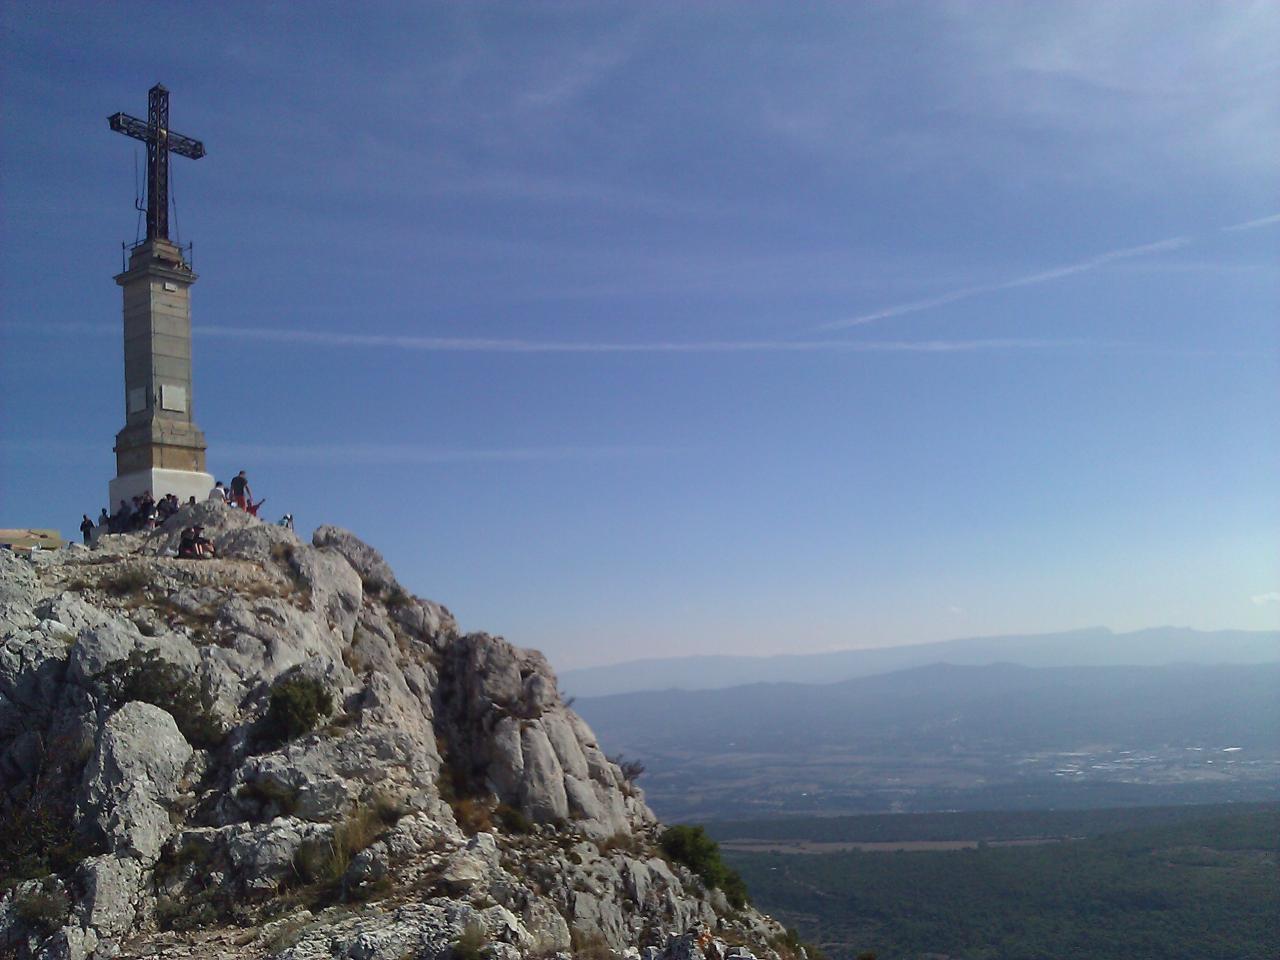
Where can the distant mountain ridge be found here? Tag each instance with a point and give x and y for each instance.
(1089, 647)
(950, 737)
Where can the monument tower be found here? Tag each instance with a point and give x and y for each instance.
(160, 447)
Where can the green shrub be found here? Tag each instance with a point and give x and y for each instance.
(589, 945)
(470, 945)
(398, 597)
(46, 909)
(145, 677)
(204, 909)
(692, 847)
(36, 840)
(125, 582)
(296, 707)
(472, 814)
(37, 832)
(512, 820)
(324, 860)
(270, 793)
(631, 770)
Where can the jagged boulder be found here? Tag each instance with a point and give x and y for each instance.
(363, 559)
(133, 778)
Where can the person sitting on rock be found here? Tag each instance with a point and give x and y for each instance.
(194, 546)
(187, 549)
(204, 548)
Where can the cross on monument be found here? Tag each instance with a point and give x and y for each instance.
(160, 141)
(160, 449)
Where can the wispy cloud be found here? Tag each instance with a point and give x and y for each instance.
(1253, 224)
(364, 454)
(1266, 599)
(347, 339)
(1042, 276)
(482, 345)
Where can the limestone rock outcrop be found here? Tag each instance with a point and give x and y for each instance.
(283, 753)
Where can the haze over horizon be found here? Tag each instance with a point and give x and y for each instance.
(643, 331)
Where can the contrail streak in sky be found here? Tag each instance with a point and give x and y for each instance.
(481, 345)
(1253, 224)
(344, 339)
(1043, 276)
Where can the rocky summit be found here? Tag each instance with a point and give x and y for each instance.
(281, 752)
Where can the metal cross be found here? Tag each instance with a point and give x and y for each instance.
(160, 141)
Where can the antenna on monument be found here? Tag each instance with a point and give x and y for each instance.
(138, 203)
(173, 205)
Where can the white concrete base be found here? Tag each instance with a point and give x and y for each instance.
(182, 483)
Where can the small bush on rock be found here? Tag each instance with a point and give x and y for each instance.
(512, 820)
(630, 769)
(204, 909)
(296, 707)
(37, 832)
(271, 794)
(398, 597)
(589, 945)
(35, 840)
(473, 815)
(125, 582)
(471, 945)
(324, 860)
(389, 808)
(692, 847)
(195, 852)
(145, 677)
(45, 909)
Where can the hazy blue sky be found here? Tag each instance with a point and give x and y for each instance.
(674, 328)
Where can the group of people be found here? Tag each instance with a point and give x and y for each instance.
(194, 546)
(237, 494)
(146, 513)
(139, 513)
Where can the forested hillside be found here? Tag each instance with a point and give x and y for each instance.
(1199, 890)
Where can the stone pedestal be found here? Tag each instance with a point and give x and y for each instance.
(181, 483)
(160, 447)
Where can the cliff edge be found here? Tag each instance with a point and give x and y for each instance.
(282, 753)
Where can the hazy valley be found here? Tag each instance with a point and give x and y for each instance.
(950, 737)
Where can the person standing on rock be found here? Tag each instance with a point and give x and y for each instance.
(218, 493)
(240, 492)
(86, 528)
